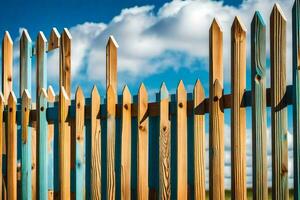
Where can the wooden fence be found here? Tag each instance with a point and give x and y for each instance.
(82, 148)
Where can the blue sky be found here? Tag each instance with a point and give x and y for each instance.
(159, 41)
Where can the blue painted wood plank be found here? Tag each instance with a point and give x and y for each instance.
(296, 97)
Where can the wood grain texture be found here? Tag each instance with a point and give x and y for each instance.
(278, 107)
(142, 144)
(7, 65)
(41, 63)
(65, 61)
(199, 141)
(64, 145)
(25, 62)
(26, 179)
(54, 40)
(238, 113)
(216, 117)
(259, 120)
(51, 99)
(12, 147)
(296, 97)
(111, 136)
(182, 173)
(164, 145)
(111, 63)
(42, 132)
(95, 145)
(2, 132)
(80, 144)
(126, 145)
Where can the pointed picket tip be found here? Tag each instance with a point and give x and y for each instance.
(63, 93)
(7, 38)
(218, 89)
(79, 93)
(112, 41)
(257, 18)
(238, 24)
(26, 94)
(54, 39)
(198, 88)
(142, 89)
(277, 10)
(2, 101)
(164, 93)
(66, 34)
(110, 90)
(180, 86)
(41, 37)
(43, 94)
(215, 25)
(12, 98)
(94, 91)
(126, 90)
(25, 36)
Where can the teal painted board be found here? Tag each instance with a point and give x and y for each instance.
(258, 83)
(43, 145)
(25, 62)
(80, 145)
(26, 191)
(296, 97)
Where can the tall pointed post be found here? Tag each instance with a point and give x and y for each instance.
(54, 40)
(278, 107)
(216, 117)
(111, 63)
(25, 62)
(65, 61)
(7, 65)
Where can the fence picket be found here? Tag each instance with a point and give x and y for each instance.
(182, 179)
(80, 144)
(258, 81)
(199, 141)
(65, 61)
(164, 146)
(126, 146)
(111, 134)
(95, 145)
(54, 40)
(7, 65)
(142, 146)
(64, 145)
(296, 107)
(12, 147)
(238, 114)
(2, 103)
(25, 62)
(278, 107)
(111, 63)
(216, 117)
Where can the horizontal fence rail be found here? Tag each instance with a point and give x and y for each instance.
(125, 147)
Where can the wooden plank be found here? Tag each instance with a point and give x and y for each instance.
(12, 147)
(51, 99)
(182, 178)
(199, 141)
(126, 146)
(42, 132)
(95, 145)
(142, 144)
(64, 145)
(2, 132)
(238, 113)
(296, 96)
(278, 109)
(258, 82)
(111, 63)
(7, 65)
(111, 136)
(164, 145)
(216, 117)
(80, 144)
(54, 40)
(26, 147)
(65, 61)
(25, 62)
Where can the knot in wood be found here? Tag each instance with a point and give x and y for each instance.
(164, 128)
(10, 109)
(9, 79)
(33, 166)
(180, 105)
(78, 105)
(284, 169)
(42, 108)
(25, 109)
(216, 98)
(126, 107)
(258, 77)
(142, 128)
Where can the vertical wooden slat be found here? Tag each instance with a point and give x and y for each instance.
(238, 114)
(42, 131)
(7, 65)
(41, 64)
(258, 82)
(54, 40)
(164, 145)
(296, 86)
(216, 117)
(182, 179)
(51, 99)
(142, 144)
(111, 63)
(25, 62)
(65, 61)
(199, 141)
(80, 144)
(95, 145)
(12, 147)
(26, 144)
(2, 132)
(111, 134)
(64, 145)
(278, 107)
(126, 146)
